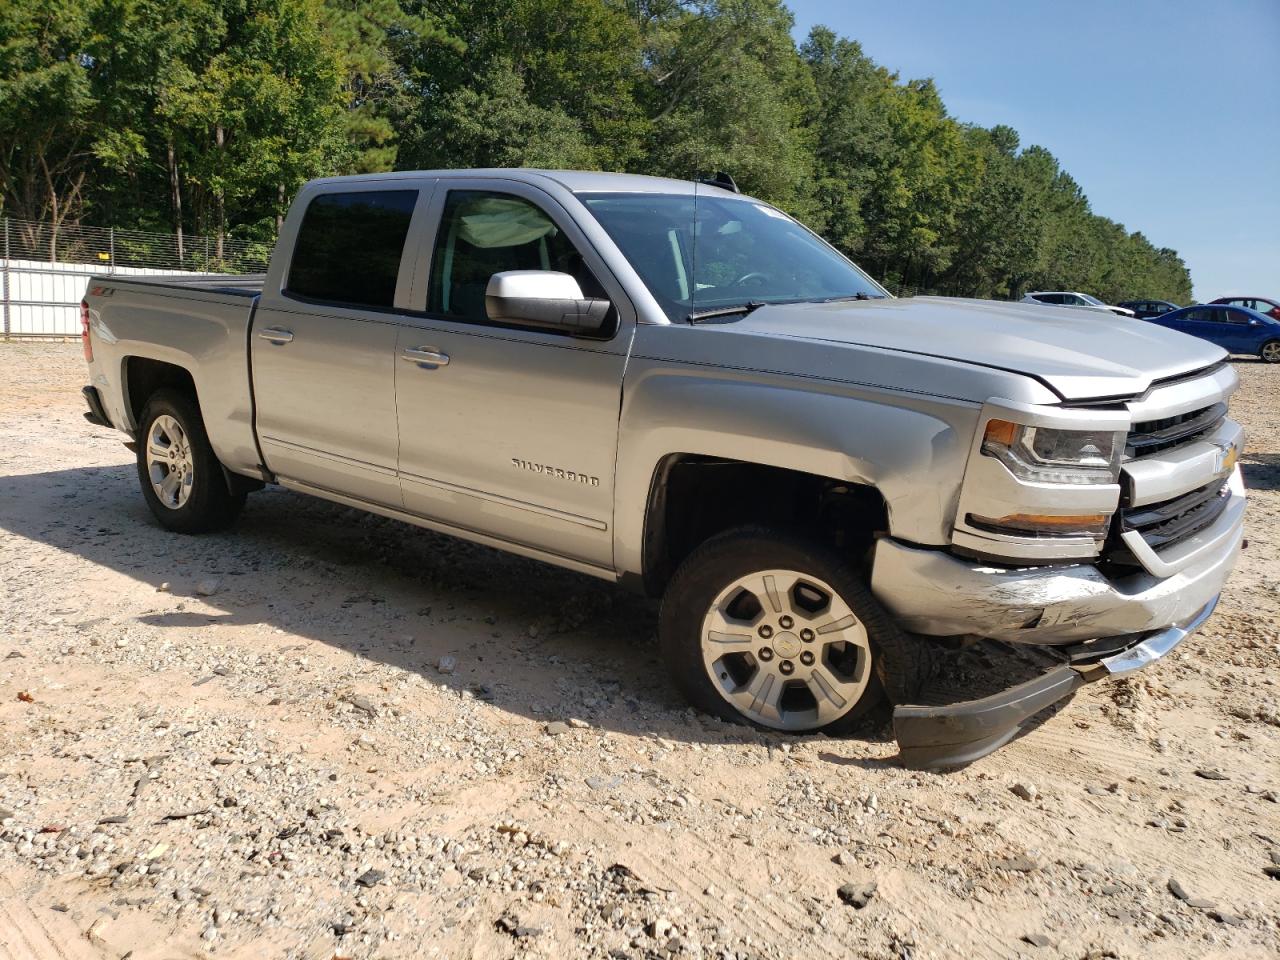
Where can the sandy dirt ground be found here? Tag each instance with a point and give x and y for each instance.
(247, 746)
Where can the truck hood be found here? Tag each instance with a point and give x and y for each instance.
(1079, 354)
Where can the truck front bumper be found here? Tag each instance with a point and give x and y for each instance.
(1103, 625)
(958, 733)
(933, 592)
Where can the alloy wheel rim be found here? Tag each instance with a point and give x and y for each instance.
(169, 463)
(785, 651)
(1271, 352)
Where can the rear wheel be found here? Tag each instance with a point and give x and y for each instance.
(1270, 352)
(182, 480)
(779, 631)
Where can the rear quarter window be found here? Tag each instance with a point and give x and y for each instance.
(349, 247)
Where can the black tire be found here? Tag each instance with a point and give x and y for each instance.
(900, 663)
(209, 505)
(1271, 347)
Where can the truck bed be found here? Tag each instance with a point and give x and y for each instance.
(199, 324)
(241, 285)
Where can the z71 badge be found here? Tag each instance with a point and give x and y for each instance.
(558, 472)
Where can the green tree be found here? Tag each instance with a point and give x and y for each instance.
(224, 107)
(726, 90)
(47, 112)
(563, 71)
(254, 107)
(370, 37)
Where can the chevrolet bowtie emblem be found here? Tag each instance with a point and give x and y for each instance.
(1227, 457)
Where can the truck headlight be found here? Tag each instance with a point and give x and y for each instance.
(1054, 455)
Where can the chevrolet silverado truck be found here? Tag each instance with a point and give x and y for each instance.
(678, 388)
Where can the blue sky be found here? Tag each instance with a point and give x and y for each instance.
(1166, 112)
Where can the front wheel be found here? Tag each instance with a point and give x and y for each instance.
(779, 631)
(181, 477)
(1270, 352)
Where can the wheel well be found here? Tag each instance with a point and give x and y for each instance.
(144, 376)
(693, 498)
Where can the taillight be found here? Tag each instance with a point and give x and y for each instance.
(84, 331)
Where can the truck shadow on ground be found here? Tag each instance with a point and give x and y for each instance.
(531, 639)
(1261, 471)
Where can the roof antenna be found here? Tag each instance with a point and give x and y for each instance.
(722, 180)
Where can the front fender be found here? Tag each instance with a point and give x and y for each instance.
(911, 448)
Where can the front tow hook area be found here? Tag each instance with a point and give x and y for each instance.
(954, 734)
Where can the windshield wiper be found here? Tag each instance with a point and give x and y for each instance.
(744, 308)
(853, 296)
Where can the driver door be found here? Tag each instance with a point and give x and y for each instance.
(508, 431)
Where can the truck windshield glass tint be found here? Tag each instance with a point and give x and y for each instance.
(349, 246)
(483, 233)
(738, 251)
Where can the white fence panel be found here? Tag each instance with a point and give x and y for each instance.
(43, 299)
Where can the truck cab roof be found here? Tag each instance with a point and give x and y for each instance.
(577, 181)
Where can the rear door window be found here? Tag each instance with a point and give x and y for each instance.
(349, 248)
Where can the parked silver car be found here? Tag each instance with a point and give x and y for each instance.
(681, 389)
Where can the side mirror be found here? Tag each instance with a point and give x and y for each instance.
(543, 298)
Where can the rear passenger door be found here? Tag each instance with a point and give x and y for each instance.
(512, 431)
(323, 344)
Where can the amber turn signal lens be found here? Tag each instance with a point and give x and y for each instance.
(1040, 520)
(1001, 431)
(1036, 524)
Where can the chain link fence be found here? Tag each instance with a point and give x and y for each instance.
(45, 268)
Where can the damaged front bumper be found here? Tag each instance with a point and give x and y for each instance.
(958, 733)
(936, 593)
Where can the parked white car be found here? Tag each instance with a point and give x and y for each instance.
(1069, 298)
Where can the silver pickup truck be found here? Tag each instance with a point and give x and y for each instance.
(673, 386)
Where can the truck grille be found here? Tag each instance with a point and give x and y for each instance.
(1157, 436)
(1169, 523)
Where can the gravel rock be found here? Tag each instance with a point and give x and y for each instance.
(447, 665)
(1025, 791)
(659, 928)
(1198, 903)
(1037, 940)
(1017, 864)
(856, 895)
(1209, 773)
(207, 587)
(371, 878)
(557, 728)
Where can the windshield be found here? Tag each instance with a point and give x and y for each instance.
(739, 252)
(1093, 300)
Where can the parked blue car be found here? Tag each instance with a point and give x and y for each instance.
(1235, 329)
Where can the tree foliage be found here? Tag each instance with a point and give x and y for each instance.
(208, 114)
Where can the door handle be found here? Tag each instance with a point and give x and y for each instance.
(276, 335)
(426, 356)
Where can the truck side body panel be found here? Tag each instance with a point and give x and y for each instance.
(901, 444)
(202, 331)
